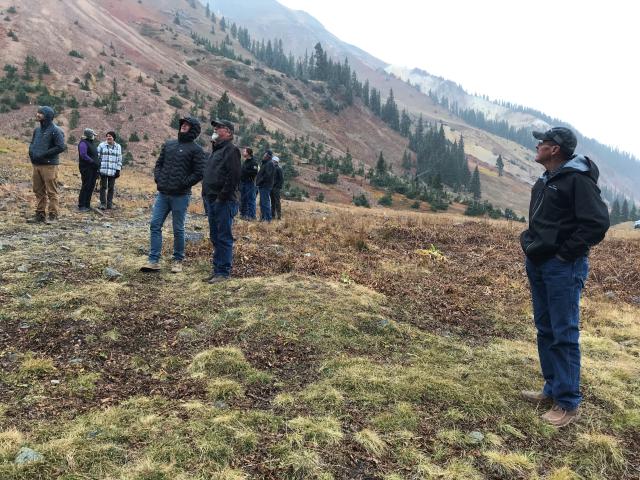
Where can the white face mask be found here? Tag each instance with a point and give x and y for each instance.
(215, 136)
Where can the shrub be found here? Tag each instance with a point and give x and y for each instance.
(361, 201)
(328, 178)
(75, 53)
(134, 137)
(386, 200)
(175, 102)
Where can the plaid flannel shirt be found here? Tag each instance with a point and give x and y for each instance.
(110, 158)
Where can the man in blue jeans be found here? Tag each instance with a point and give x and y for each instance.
(178, 168)
(248, 185)
(220, 191)
(566, 217)
(264, 182)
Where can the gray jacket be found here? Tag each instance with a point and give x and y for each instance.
(47, 141)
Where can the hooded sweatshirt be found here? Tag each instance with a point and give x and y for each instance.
(567, 215)
(181, 162)
(47, 141)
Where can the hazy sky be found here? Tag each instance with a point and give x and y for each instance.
(574, 60)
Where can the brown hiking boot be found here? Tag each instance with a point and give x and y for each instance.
(533, 396)
(39, 217)
(150, 267)
(559, 417)
(176, 267)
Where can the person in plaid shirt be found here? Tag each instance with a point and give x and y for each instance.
(110, 154)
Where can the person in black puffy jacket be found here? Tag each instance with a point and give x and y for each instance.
(178, 168)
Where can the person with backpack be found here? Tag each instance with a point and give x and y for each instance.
(47, 142)
(89, 165)
(110, 154)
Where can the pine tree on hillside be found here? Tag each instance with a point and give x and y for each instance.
(633, 213)
(381, 166)
(624, 211)
(500, 165)
(475, 184)
(615, 212)
(405, 124)
(207, 10)
(365, 93)
(224, 107)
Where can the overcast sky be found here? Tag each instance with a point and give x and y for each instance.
(573, 60)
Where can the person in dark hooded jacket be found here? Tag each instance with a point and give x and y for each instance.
(89, 165)
(278, 183)
(566, 218)
(264, 181)
(46, 144)
(220, 189)
(178, 168)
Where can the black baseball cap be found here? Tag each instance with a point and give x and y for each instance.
(220, 122)
(562, 136)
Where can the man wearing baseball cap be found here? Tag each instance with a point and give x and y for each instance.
(566, 217)
(220, 185)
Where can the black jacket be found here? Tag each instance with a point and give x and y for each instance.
(181, 162)
(92, 153)
(566, 214)
(47, 141)
(266, 175)
(278, 179)
(249, 170)
(222, 172)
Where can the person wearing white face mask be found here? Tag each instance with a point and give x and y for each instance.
(220, 189)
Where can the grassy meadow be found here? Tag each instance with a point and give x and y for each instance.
(352, 344)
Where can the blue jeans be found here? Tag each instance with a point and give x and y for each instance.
(265, 204)
(555, 292)
(248, 200)
(177, 205)
(220, 222)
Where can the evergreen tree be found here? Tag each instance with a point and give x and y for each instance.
(500, 165)
(406, 161)
(381, 166)
(615, 212)
(207, 10)
(475, 184)
(365, 92)
(633, 213)
(176, 19)
(224, 107)
(223, 24)
(405, 124)
(624, 211)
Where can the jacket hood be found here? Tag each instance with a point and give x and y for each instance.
(48, 114)
(577, 163)
(193, 133)
(583, 164)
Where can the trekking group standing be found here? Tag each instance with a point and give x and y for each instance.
(566, 218)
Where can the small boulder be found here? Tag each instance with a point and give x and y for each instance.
(111, 273)
(27, 455)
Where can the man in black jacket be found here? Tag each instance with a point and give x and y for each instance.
(264, 182)
(278, 183)
(248, 185)
(220, 191)
(46, 144)
(178, 168)
(566, 217)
